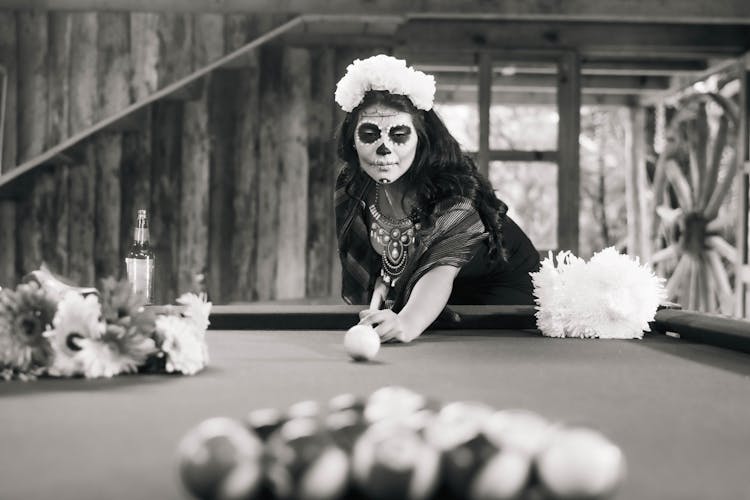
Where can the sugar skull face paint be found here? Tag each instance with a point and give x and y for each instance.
(386, 142)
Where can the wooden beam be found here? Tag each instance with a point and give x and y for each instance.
(569, 169)
(9, 58)
(683, 11)
(743, 184)
(732, 39)
(524, 156)
(548, 83)
(470, 96)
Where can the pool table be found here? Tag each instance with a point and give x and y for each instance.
(677, 402)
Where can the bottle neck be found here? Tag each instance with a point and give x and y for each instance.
(140, 235)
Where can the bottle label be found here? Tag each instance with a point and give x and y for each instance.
(141, 277)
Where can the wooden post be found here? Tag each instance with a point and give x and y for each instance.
(196, 147)
(244, 165)
(485, 96)
(32, 83)
(269, 146)
(321, 227)
(635, 122)
(293, 178)
(9, 58)
(60, 259)
(569, 169)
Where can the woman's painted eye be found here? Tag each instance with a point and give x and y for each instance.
(368, 133)
(400, 134)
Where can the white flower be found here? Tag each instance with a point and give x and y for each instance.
(77, 318)
(196, 309)
(387, 73)
(184, 344)
(100, 358)
(611, 296)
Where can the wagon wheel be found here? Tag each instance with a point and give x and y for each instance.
(700, 167)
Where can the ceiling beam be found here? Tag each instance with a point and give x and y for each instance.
(669, 11)
(585, 37)
(498, 97)
(548, 83)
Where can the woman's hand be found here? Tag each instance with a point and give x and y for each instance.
(389, 326)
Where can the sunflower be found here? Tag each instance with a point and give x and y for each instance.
(26, 313)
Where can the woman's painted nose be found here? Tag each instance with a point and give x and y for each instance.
(383, 150)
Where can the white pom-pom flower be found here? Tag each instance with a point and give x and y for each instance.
(387, 73)
(611, 296)
(184, 344)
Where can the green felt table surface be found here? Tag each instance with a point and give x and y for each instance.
(680, 410)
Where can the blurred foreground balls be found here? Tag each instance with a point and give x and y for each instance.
(220, 459)
(520, 430)
(581, 463)
(390, 460)
(305, 464)
(362, 342)
(393, 402)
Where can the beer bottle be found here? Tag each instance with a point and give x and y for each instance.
(140, 260)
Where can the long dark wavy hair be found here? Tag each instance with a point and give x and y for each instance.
(440, 169)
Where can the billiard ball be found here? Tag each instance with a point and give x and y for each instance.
(390, 460)
(303, 409)
(304, 462)
(393, 402)
(503, 476)
(220, 458)
(346, 401)
(264, 421)
(580, 463)
(522, 430)
(362, 342)
(345, 427)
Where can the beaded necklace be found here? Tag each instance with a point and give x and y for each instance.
(392, 239)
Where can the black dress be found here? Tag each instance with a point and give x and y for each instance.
(501, 282)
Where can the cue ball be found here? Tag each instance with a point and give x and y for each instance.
(362, 342)
(581, 463)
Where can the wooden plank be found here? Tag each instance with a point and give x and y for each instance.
(175, 32)
(245, 161)
(9, 60)
(293, 177)
(82, 189)
(569, 170)
(135, 178)
(8, 235)
(269, 155)
(58, 77)
(83, 71)
(609, 84)
(108, 152)
(37, 217)
(634, 124)
(222, 120)
(32, 84)
(59, 260)
(196, 146)
(165, 196)
(114, 63)
(321, 230)
(144, 49)
(743, 185)
(689, 11)
(470, 96)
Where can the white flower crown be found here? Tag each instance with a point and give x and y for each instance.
(383, 72)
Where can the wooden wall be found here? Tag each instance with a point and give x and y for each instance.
(236, 171)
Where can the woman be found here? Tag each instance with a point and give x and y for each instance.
(418, 226)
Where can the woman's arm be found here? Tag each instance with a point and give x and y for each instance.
(427, 300)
